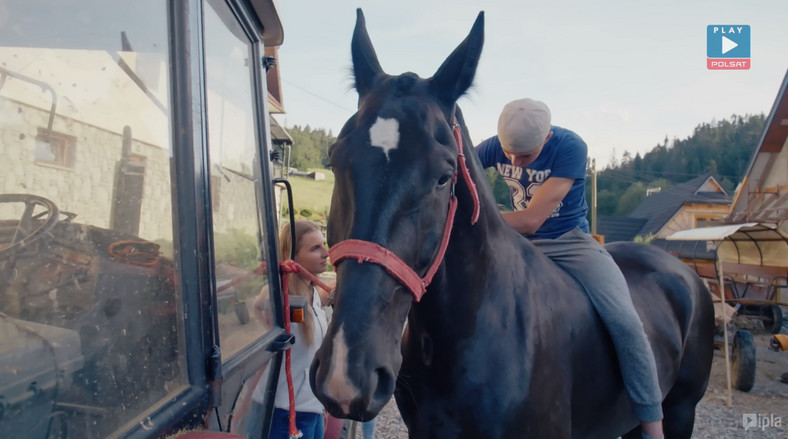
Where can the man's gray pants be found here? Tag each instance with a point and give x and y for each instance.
(588, 262)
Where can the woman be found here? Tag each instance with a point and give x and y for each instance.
(310, 253)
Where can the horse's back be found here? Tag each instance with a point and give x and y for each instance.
(656, 278)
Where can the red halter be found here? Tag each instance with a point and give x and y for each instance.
(365, 251)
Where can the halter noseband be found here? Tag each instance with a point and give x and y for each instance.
(366, 251)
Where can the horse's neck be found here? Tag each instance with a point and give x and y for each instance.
(490, 238)
(489, 243)
(483, 267)
(492, 244)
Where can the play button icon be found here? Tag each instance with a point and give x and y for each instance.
(728, 45)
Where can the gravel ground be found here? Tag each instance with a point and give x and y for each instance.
(767, 401)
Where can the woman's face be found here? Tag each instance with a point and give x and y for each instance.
(312, 253)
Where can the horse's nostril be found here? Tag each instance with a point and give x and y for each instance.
(385, 387)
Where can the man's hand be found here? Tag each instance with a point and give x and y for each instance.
(542, 204)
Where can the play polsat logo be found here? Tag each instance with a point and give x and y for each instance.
(728, 47)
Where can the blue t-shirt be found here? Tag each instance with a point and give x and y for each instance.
(564, 155)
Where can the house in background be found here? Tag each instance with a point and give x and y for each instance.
(763, 194)
(695, 203)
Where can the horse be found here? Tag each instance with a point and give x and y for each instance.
(442, 304)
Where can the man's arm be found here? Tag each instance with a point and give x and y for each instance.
(542, 204)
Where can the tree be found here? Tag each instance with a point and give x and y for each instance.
(606, 202)
(310, 147)
(613, 159)
(500, 188)
(631, 199)
(723, 148)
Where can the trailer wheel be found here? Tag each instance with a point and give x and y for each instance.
(743, 361)
(57, 425)
(242, 312)
(773, 320)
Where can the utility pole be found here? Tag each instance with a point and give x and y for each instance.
(593, 196)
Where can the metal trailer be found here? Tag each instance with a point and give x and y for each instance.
(748, 268)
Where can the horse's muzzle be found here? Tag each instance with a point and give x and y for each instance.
(348, 390)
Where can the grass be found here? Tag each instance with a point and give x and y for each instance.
(312, 194)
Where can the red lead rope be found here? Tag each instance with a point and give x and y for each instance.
(365, 251)
(291, 266)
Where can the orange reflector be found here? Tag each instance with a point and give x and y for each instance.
(297, 307)
(296, 315)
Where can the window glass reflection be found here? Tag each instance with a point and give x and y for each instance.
(90, 306)
(234, 170)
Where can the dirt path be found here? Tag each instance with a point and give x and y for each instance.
(766, 403)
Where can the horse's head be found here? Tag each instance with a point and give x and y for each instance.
(395, 165)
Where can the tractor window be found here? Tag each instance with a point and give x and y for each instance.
(235, 175)
(91, 332)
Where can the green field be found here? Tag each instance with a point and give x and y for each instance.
(313, 195)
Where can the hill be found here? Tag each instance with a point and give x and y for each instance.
(722, 148)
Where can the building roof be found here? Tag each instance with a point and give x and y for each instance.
(659, 208)
(278, 134)
(273, 35)
(619, 228)
(763, 194)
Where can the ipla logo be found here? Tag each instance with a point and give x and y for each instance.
(728, 47)
(756, 420)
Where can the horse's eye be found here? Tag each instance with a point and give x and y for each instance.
(444, 180)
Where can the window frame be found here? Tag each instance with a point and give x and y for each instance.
(706, 218)
(193, 239)
(65, 142)
(245, 363)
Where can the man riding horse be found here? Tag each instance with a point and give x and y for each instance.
(544, 167)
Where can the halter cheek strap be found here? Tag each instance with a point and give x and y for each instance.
(365, 251)
(466, 175)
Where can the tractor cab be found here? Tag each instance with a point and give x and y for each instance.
(137, 217)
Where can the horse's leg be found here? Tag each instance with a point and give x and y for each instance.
(679, 420)
(679, 406)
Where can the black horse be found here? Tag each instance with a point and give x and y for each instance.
(503, 344)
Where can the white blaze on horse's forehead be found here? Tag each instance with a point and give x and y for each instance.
(384, 133)
(339, 386)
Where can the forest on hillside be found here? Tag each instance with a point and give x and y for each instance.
(723, 148)
(310, 146)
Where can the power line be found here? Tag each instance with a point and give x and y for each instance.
(318, 96)
(660, 174)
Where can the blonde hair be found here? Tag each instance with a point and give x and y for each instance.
(302, 227)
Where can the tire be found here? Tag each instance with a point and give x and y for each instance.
(57, 426)
(773, 320)
(242, 312)
(743, 361)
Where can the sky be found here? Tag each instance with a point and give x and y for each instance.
(624, 75)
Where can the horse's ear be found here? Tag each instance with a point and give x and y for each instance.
(456, 74)
(366, 67)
